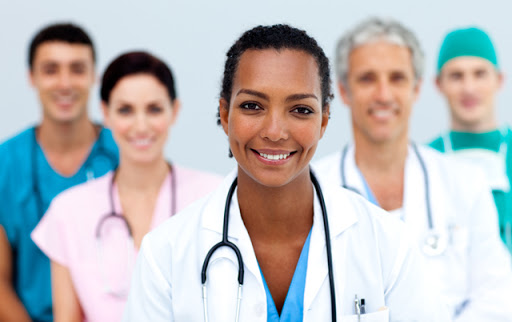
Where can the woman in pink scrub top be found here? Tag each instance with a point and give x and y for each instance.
(92, 232)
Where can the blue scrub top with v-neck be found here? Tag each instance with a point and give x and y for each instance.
(369, 193)
(293, 307)
(20, 211)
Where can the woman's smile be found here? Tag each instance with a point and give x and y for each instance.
(275, 117)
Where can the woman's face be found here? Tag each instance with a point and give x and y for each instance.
(139, 114)
(275, 117)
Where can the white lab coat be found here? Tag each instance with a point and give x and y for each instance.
(473, 276)
(372, 258)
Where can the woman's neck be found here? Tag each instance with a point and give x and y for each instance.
(146, 178)
(280, 213)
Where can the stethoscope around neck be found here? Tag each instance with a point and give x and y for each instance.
(434, 243)
(226, 243)
(113, 215)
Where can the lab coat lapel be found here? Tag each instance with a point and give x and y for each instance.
(237, 233)
(414, 202)
(353, 178)
(341, 217)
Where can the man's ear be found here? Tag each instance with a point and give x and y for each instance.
(344, 93)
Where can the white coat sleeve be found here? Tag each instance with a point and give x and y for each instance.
(150, 292)
(489, 265)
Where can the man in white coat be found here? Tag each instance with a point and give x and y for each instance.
(379, 67)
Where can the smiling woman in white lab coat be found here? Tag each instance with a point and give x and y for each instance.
(306, 256)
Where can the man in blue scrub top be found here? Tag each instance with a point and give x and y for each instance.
(65, 149)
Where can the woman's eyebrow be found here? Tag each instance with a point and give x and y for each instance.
(294, 97)
(297, 97)
(253, 92)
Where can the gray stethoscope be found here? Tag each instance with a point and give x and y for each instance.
(101, 152)
(113, 215)
(434, 243)
(226, 243)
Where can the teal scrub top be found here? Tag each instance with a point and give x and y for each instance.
(21, 210)
(293, 307)
(489, 141)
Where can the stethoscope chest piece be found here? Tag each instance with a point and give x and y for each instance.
(434, 243)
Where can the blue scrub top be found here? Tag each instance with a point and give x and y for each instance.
(19, 214)
(293, 307)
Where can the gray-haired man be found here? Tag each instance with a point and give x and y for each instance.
(451, 214)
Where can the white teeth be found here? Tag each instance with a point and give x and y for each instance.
(382, 113)
(142, 142)
(275, 156)
(65, 100)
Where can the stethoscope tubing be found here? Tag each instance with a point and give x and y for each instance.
(226, 243)
(425, 178)
(101, 151)
(113, 212)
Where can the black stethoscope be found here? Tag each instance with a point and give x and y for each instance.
(101, 152)
(226, 243)
(434, 243)
(113, 215)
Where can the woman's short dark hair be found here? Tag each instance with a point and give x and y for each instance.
(276, 37)
(136, 62)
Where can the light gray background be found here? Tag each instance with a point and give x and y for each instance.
(193, 37)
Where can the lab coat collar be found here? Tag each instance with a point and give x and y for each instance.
(337, 222)
(214, 209)
(414, 203)
(213, 220)
(341, 216)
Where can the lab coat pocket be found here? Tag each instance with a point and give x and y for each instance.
(379, 316)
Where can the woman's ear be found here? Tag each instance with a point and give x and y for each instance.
(224, 114)
(104, 110)
(326, 115)
(176, 108)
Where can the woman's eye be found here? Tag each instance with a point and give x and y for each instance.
(125, 109)
(154, 109)
(303, 110)
(250, 106)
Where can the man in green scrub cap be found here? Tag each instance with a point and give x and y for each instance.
(469, 77)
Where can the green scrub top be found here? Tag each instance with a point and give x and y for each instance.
(488, 141)
(21, 209)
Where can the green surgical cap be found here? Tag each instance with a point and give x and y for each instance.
(466, 42)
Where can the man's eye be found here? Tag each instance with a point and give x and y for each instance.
(455, 76)
(398, 77)
(49, 70)
(481, 73)
(78, 69)
(367, 78)
(250, 106)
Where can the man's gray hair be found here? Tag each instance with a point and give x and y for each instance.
(373, 30)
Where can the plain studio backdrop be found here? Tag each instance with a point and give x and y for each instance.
(193, 37)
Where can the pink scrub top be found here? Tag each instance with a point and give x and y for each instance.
(101, 271)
